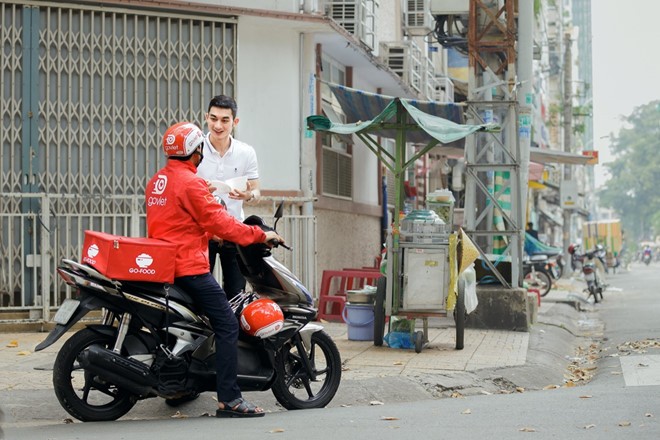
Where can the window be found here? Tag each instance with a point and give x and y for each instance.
(337, 158)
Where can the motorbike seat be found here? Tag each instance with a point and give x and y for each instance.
(539, 257)
(159, 289)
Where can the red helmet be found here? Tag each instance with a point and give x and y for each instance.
(262, 318)
(182, 139)
(571, 248)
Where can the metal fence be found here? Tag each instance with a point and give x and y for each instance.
(29, 280)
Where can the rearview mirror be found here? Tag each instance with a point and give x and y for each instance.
(278, 213)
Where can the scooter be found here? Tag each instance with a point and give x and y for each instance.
(154, 342)
(586, 262)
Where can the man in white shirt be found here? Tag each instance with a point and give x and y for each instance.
(226, 158)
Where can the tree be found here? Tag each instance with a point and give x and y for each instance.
(634, 188)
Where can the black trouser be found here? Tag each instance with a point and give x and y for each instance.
(233, 281)
(209, 296)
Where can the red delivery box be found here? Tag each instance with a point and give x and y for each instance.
(128, 258)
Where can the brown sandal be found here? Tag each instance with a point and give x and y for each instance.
(239, 408)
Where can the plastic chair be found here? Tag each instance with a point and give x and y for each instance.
(334, 284)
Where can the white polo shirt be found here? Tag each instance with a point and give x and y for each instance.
(239, 160)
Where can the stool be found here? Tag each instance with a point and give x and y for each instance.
(331, 303)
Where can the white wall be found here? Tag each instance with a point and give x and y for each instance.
(268, 96)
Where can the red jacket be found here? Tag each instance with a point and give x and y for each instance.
(181, 210)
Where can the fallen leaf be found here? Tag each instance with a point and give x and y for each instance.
(527, 430)
(586, 396)
(343, 405)
(520, 389)
(624, 423)
(569, 384)
(276, 430)
(551, 387)
(178, 415)
(376, 402)
(467, 411)
(505, 392)
(616, 372)
(648, 415)
(456, 395)
(67, 421)
(642, 365)
(398, 363)
(590, 426)
(389, 418)
(23, 353)
(13, 343)
(485, 393)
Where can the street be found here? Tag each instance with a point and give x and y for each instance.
(620, 401)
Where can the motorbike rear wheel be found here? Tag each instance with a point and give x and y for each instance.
(293, 387)
(81, 393)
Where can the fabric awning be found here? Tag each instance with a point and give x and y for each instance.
(420, 121)
(543, 155)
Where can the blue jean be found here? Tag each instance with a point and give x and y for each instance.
(232, 279)
(209, 296)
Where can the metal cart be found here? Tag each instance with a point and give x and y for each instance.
(419, 284)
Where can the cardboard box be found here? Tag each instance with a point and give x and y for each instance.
(128, 258)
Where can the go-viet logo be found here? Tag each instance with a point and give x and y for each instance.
(143, 261)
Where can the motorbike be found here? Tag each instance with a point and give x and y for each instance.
(586, 262)
(647, 257)
(537, 273)
(154, 342)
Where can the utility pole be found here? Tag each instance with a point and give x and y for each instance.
(568, 132)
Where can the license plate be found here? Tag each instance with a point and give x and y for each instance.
(66, 311)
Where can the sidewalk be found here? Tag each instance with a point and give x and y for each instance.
(492, 361)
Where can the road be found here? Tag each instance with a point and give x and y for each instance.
(621, 401)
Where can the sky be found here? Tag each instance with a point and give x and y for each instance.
(626, 66)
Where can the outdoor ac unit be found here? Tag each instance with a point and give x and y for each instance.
(405, 59)
(450, 7)
(345, 13)
(417, 18)
(444, 89)
(356, 16)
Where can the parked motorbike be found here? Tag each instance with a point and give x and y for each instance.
(154, 342)
(586, 262)
(537, 274)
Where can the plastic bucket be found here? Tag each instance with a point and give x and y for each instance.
(360, 320)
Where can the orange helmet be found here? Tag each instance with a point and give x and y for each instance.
(182, 139)
(262, 318)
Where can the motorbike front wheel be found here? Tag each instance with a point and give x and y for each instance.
(80, 392)
(293, 387)
(538, 279)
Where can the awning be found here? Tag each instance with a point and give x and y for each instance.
(419, 121)
(543, 155)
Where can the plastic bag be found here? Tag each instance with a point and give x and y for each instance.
(399, 340)
(469, 275)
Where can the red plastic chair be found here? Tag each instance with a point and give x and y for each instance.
(334, 284)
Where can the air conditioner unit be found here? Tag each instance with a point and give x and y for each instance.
(450, 7)
(417, 18)
(356, 16)
(444, 91)
(405, 59)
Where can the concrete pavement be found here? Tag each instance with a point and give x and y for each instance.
(492, 361)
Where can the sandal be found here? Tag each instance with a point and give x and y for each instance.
(239, 408)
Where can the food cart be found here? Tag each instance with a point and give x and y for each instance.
(422, 265)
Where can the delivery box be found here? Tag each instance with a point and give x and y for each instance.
(128, 258)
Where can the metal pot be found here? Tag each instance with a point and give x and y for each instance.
(360, 296)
